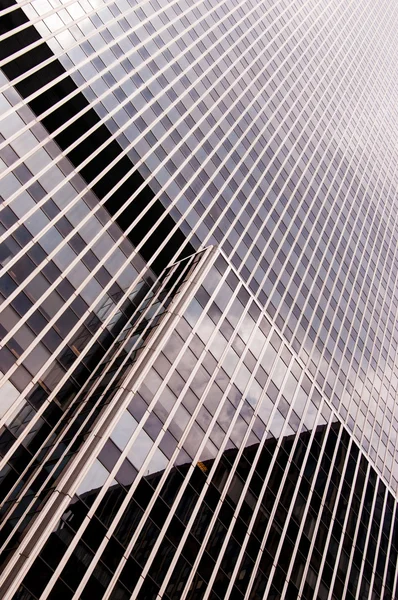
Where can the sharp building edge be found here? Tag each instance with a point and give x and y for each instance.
(199, 299)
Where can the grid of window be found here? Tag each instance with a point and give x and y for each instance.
(135, 134)
(216, 467)
(260, 128)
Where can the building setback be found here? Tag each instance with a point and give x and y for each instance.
(198, 277)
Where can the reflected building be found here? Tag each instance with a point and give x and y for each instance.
(199, 299)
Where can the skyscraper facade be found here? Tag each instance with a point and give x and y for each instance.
(199, 260)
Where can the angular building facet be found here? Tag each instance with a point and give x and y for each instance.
(199, 299)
